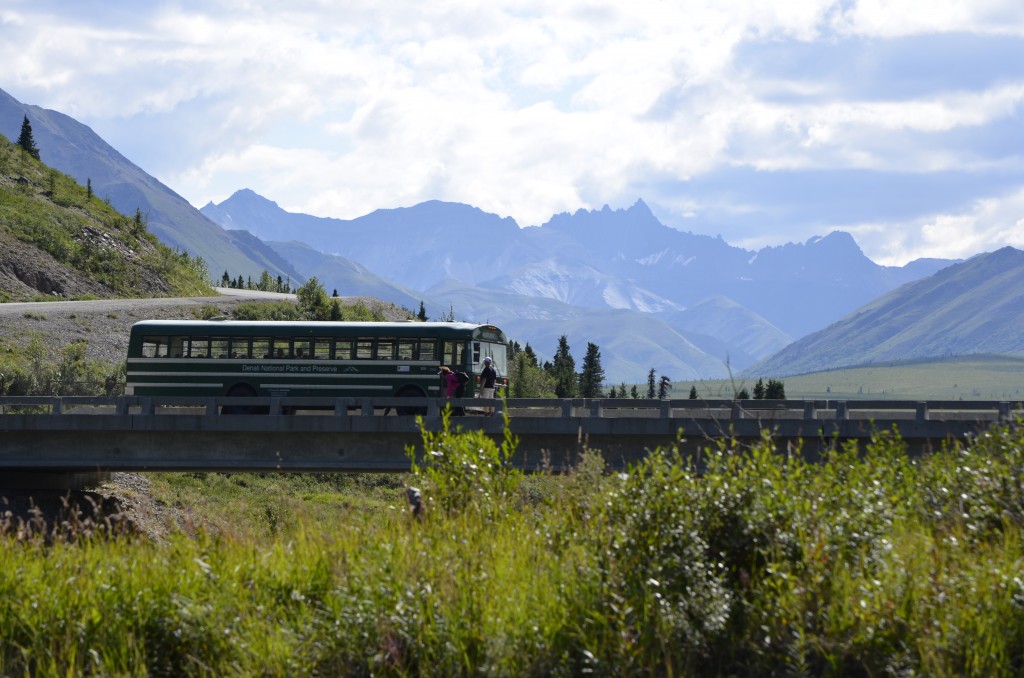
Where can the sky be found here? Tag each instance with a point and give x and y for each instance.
(760, 121)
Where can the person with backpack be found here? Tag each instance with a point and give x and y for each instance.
(455, 386)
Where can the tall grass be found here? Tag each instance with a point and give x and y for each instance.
(866, 563)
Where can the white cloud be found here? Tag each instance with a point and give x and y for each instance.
(523, 109)
(990, 224)
(890, 18)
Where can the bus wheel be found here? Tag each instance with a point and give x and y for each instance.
(243, 391)
(411, 392)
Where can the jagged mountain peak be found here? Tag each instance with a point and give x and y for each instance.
(638, 215)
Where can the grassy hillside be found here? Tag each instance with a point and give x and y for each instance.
(73, 148)
(973, 307)
(58, 241)
(973, 377)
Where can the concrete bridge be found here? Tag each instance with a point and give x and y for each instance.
(53, 440)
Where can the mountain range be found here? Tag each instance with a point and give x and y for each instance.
(690, 306)
(973, 307)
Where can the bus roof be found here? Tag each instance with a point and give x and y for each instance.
(245, 327)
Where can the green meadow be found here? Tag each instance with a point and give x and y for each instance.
(978, 377)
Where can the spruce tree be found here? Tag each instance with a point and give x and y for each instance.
(25, 140)
(592, 375)
(759, 389)
(775, 390)
(422, 315)
(652, 385)
(664, 386)
(693, 392)
(563, 369)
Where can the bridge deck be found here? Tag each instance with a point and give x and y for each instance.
(69, 435)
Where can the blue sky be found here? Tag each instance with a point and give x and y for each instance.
(900, 121)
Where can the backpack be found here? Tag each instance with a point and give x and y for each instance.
(463, 378)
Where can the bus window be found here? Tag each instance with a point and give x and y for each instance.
(239, 347)
(322, 348)
(364, 349)
(428, 349)
(177, 347)
(343, 349)
(219, 347)
(200, 347)
(154, 347)
(261, 347)
(454, 352)
(282, 347)
(476, 352)
(406, 349)
(302, 348)
(385, 349)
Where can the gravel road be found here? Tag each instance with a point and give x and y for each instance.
(104, 323)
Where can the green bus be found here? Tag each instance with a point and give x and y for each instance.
(307, 359)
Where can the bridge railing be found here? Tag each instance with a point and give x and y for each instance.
(723, 410)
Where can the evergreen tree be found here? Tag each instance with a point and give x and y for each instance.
(334, 295)
(563, 370)
(664, 386)
(742, 394)
(240, 282)
(528, 351)
(652, 385)
(634, 393)
(26, 141)
(422, 315)
(88, 189)
(225, 280)
(335, 314)
(775, 390)
(138, 223)
(592, 375)
(280, 285)
(612, 393)
(450, 318)
(623, 393)
(693, 392)
(759, 389)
